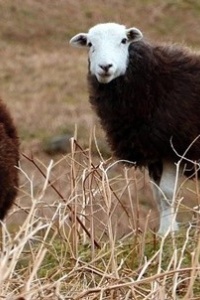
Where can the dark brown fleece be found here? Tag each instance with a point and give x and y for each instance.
(9, 156)
(154, 105)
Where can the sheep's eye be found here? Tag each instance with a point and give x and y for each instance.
(89, 44)
(124, 41)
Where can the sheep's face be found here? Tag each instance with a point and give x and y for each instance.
(108, 49)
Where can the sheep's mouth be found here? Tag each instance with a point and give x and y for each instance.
(104, 77)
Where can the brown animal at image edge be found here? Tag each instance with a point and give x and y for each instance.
(9, 157)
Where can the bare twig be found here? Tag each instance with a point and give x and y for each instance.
(31, 159)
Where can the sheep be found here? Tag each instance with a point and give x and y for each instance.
(9, 157)
(147, 97)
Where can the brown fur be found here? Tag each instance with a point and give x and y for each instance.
(9, 156)
(154, 105)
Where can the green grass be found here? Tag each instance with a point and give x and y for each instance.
(169, 261)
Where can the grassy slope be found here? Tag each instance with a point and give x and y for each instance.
(43, 82)
(43, 79)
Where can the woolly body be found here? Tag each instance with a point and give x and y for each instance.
(154, 105)
(151, 109)
(9, 157)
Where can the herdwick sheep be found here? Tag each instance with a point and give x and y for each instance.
(9, 156)
(148, 100)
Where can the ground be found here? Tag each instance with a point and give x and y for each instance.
(43, 79)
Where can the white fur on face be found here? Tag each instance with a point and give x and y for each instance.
(108, 49)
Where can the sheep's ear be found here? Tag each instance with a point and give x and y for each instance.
(134, 34)
(79, 40)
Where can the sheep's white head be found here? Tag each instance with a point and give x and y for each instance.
(108, 49)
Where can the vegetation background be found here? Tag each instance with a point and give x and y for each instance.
(82, 224)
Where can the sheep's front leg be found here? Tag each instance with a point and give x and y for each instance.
(165, 195)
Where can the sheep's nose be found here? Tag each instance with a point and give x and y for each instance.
(105, 67)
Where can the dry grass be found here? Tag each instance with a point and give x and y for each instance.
(74, 248)
(84, 228)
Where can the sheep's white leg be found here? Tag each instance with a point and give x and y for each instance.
(164, 194)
